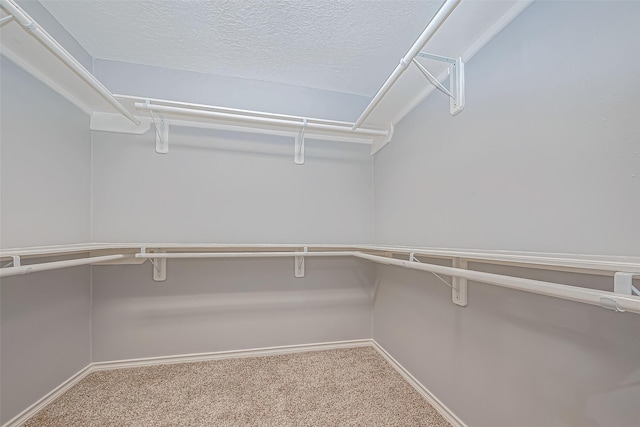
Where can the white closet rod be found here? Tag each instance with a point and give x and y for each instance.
(604, 299)
(435, 24)
(294, 124)
(235, 111)
(244, 254)
(27, 22)
(14, 271)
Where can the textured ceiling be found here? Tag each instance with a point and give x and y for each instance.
(340, 45)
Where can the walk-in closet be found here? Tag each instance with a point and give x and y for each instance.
(320, 213)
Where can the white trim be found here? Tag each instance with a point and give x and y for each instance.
(233, 354)
(424, 392)
(40, 75)
(480, 42)
(23, 416)
(219, 355)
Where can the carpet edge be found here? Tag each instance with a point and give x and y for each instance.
(440, 407)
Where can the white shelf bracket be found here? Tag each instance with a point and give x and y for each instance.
(299, 264)
(459, 288)
(162, 133)
(15, 262)
(159, 267)
(298, 156)
(456, 80)
(623, 283)
(458, 285)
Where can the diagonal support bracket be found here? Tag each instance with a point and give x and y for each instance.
(456, 80)
(458, 284)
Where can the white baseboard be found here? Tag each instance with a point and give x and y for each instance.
(48, 398)
(203, 357)
(424, 392)
(256, 352)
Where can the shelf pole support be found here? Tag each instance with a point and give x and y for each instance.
(298, 156)
(299, 264)
(162, 132)
(159, 267)
(459, 288)
(6, 19)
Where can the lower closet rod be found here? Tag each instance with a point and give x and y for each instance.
(24, 269)
(242, 254)
(604, 299)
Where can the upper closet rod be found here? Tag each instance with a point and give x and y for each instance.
(237, 111)
(260, 120)
(435, 24)
(27, 22)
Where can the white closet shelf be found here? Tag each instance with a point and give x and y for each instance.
(182, 114)
(588, 264)
(623, 269)
(27, 44)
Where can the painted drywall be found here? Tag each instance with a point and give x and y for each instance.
(346, 46)
(45, 164)
(45, 327)
(512, 358)
(227, 187)
(546, 155)
(44, 199)
(216, 305)
(226, 91)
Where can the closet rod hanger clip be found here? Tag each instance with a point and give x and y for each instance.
(623, 283)
(298, 156)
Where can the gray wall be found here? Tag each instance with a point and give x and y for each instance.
(512, 358)
(227, 187)
(45, 327)
(546, 157)
(226, 91)
(45, 164)
(216, 305)
(42, 16)
(44, 199)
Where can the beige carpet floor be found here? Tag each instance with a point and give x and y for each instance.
(346, 387)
